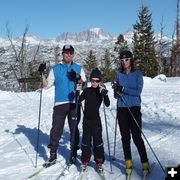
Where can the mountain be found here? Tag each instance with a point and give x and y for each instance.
(90, 35)
(95, 39)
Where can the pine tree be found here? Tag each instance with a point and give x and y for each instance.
(90, 63)
(120, 45)
(144, 44)
(106, 67)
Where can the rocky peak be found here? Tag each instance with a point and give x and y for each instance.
(89, 35)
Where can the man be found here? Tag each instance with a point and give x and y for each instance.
(65, 77)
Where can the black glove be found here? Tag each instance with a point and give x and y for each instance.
(103, 90)
(118, 89)
(74, 75)
(42, 68)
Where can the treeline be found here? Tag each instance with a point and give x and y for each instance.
(150, 56)
(150, 60)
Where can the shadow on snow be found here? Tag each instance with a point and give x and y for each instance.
(31, 134)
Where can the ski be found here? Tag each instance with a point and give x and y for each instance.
(48, 164)
(36, 173)
(101, 175)
(100, 172)
(145, 176)
(129, 172)
(64, 169)
(128, 176)
(45, 166)
(83, 173)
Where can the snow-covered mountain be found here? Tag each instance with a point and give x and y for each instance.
(90, 35)
(95, 39)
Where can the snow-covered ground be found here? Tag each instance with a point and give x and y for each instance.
(18, 133)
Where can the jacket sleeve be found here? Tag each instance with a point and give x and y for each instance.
(106, 100)
(135, 91)
(83, 76)
(50, 78)
(83, 95)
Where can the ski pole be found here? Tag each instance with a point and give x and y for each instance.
(107, 135)
(141, 130)
(82, 108)
(37, 145)
(75, 123)
(115, 133)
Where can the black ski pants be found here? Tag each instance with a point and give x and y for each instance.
(59, 115)
(128, 127)
(92, 132)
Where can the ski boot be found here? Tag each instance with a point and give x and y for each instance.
(74, 155)
(84, 165)
(145, 168)
(52, 160)
(99, 167)
(129, 167)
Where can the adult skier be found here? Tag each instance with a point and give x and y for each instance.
(129, 83)
(64, 76)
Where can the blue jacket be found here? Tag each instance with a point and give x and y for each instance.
(64, 85)
(133, 85)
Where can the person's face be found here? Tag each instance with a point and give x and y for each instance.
(68, 56)
(95, 82)
(126, 62)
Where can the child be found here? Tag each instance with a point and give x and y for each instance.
(92, 128)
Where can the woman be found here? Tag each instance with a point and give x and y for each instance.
(128, 88)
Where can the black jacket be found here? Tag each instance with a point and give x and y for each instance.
(93, 99)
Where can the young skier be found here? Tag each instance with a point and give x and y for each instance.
(129, 83)
(92, 127)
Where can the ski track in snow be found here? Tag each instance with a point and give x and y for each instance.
(18, 130)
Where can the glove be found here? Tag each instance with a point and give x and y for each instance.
(116, 96)
(79, 87)
(42, 68)
(74, 75)
(103, 90)
(118, 89)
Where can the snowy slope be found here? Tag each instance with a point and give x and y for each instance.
(18, 131)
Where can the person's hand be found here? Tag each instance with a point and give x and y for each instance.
(74, 75)
(118, 89)
(103, 90)
(42, 68)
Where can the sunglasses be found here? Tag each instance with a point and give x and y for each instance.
(68, 52)
(125, 59)
(97, 81)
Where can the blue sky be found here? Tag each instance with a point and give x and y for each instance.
(49, 18)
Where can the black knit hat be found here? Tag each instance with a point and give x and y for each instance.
(96, 74)
(126, 54)
(67, 48)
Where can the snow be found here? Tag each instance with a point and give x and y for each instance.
(18, 132)
(161, 77)
(96, 30)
